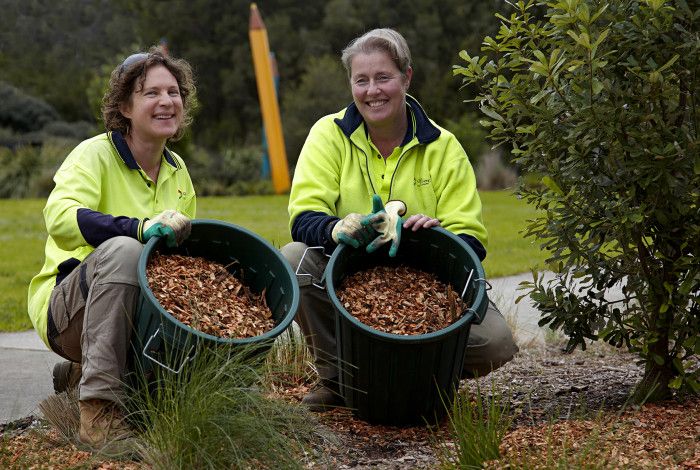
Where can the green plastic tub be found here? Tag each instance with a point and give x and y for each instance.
(395, 379)
(160, 340)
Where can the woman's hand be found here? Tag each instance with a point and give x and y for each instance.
(419, 221)
(351, 231)
(386, 221)
(171, 224)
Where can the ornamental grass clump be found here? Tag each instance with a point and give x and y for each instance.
(215, 415)
(476, 427)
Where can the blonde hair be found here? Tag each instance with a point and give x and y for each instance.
(384, 40)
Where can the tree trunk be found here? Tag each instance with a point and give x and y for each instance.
(654, 385)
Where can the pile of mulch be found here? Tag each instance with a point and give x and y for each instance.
(204, 295)
(400, 300)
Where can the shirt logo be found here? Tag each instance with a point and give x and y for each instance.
(181, 194)
(421, 181)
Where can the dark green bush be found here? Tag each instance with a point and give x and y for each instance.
(27, 170)
(18, 167)
(470, 134)
(598, 97)
(79, 130)
(234, 171)
(23, 113)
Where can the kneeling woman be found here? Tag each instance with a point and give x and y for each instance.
(112, 193)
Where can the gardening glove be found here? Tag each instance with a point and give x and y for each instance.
(387, 221)
(349, 230)
(172, 225)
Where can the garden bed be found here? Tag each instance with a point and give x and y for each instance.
(562, 404)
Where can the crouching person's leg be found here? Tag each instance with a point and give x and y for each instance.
(490, 345)
(95, 305)
(316, 319)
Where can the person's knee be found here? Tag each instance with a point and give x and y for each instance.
(293, 252)
(120, 257)
(308, 263)
(490, 359)
(490, 345)
(500, 349)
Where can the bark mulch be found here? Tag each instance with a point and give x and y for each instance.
(400, 299)
(204, 295)
(563, 405)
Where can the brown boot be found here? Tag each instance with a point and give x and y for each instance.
(324, 396)
(66, 376)
(103, 427)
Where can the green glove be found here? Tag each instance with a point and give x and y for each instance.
(387, 221)
(349, 230)
(172, 225)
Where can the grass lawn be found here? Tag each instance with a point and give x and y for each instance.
(22, 238)
(508, 252)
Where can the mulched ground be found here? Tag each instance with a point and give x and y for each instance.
(562, 405)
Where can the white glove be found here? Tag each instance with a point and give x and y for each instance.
(172, 225)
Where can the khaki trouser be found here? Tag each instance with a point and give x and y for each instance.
(92, 311)
(489, 346)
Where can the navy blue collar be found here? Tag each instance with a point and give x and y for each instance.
(425, 131)
(125, 152)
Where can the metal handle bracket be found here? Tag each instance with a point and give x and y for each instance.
(188, 357)
(322, 285)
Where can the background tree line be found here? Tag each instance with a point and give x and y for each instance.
(55, 58)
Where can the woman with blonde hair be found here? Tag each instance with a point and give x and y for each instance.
(382, 151)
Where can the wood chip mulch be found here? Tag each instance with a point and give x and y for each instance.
(204, 295)
(663, 435)
(400, 299)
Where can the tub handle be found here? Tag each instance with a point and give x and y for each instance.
(164, 366)
(478, 317)
(466, 284)
(321, 286)
(488, 284)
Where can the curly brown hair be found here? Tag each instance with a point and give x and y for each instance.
(132, 73)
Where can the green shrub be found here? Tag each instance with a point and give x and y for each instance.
(22, 112)
(77, 131)
(598, 98)
(470, 134)
(235, 171)
(27, 171)
(18, 167)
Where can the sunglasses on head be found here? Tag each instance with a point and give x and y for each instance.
(131, 60)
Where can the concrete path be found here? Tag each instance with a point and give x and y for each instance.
(26, 364)
(25, 374)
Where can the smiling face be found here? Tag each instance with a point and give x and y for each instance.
(155, 109)
(379, 89)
